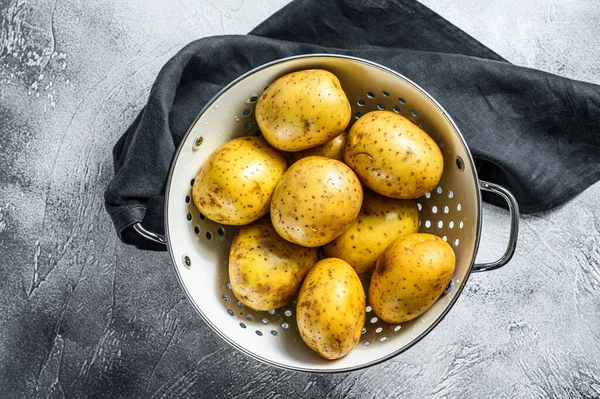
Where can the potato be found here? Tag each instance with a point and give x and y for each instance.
(381, 220)
(392, 156)
(316, 200)
(302, 110)
(333, 149)
(265, 270)
(331, 308)
(237, 181)
(410, 276)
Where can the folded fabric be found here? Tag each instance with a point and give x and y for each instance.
(533, 132)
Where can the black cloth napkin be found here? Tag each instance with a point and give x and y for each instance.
(533, 132)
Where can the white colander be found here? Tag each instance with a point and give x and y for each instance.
(200, 247)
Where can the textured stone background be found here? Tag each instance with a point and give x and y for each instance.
(82, 315)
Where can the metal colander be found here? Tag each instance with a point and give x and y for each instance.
(200, 247)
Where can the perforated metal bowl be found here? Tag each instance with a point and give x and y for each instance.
(200, 247)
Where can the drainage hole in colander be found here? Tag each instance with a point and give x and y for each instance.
(365, 343)
(288, 313)
(374, 320)
(427, 195)
(396, 110)
(192, 182)
(440, 224)
(364, 331)
(380, 107)
(461, 225)
(202, 217)
(451, 224)
(230, 312)
(428, 223)
(228, 285)
(253, 99)
(246, 112)
(397, 328)
(264, 321)
(449, 287)
(208, 235)
(456, 242)
(242, 325)
(446, 209)
(458, 207)
(370, 95)
(434, 209)
(274, 333)
(361, 103)
(358, 115)
(445, 238)
(460, 163)
(271, 312)
(378, 330)
(419, 206)
(187, 261)
(241, 305)
(226, 298)
(248, 125)
(189, 216)
(450, 194)
(385, 93)
(439, 189)
(196, 229)
(259, 333)
(221, 231)
(415, 114)
(187, 199)
(401, 100)
(369, 308)
(249, 317)
(285, 326)
(383, 339)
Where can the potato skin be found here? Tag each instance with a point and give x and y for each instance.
(333, 149)
(410, 276)
(392, 156)
(381, 220)
(237, 181)
(331, 308)
(315, 201)
(303, 109)
(265, 270)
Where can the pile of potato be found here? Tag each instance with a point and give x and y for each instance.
(344, 210)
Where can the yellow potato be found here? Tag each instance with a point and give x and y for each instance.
(410, 276)
(392, 156)
(237, 181)
(333, 149)
(302, 110)
(331, 308)
(316, 200)
(381, 220)
(265, 270)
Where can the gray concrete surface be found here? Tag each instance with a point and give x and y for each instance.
(74, 73)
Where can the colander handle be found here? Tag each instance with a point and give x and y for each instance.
(513, 209)
(147, 234)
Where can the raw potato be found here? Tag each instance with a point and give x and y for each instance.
(333, 149)
(410, 276)
(237, 181)
(393, 156)
(316, 200)
(381, 220)
(302, 110)
(331, 308)
(265, 270)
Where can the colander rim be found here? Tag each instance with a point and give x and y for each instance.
(478, 209)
